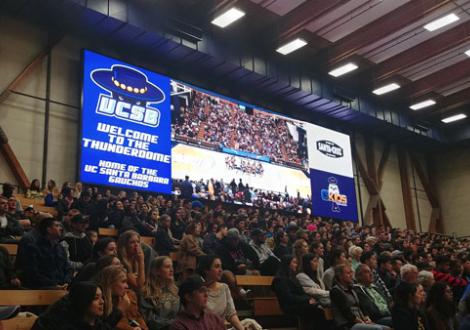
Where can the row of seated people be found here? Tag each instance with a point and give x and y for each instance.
(249, 242)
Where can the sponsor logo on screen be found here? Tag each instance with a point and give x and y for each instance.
(130, 95)
(332, 194)
(330, 149)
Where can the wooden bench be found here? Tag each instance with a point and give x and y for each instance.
(12, 250)
(27, 298)
(37, 203)
(268, 305)
(148, 240)
(113, 232)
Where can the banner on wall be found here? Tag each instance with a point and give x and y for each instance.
(331, 173)
(126, 126)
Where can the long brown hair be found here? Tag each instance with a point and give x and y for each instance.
(153, 286)
(106, 278)
(123, 241)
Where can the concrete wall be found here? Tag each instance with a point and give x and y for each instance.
(22, 118)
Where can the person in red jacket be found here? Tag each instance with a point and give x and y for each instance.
(442, 273)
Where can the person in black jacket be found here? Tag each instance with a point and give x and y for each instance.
(44, 262)
(237, 256)
(406, 312)
(292, 298)
(164, 243)
(9, 226)
(81, 309)
(371, 300)
(345, 303)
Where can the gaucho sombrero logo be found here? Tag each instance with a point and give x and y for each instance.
(130, 95)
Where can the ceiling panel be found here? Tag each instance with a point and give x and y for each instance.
(436, 63)
(455, 87)
(412, 35)
(350, 17)
(279, 7)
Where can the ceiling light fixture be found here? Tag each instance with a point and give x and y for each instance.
(467, 53)
(343, 70)
(228, 17)
(454, 118)
(441, 22)
(291, 46)
(423, 104)
(386, 89)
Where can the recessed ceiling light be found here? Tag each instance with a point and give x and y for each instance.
(291, 46)
(423, 104)
(441, 22)
(454, 118)
(386, 89)
(467, 53)
(343, 70)
(228, 17)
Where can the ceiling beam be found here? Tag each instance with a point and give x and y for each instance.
(295, 21)
(423, 51)
(439, 79)
(449, 103)
(382, 27)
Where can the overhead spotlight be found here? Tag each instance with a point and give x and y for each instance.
(291, 46)
(343, 69)
(228, 17)
(423, 104)
(386, 89)
(441, 22)
(453, 118)
(467, 53)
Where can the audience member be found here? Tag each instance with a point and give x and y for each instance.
(164, 243)
(268, 261)
(160, 301)
(407, 311)
(310, 280)
(77, 245)
(132, 257)
(45, 264)
(440, 307)
(189, 250)
(194, 315)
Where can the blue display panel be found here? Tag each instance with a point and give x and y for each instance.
(126, 126)
(333, 195)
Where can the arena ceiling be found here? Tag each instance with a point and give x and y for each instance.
(386, 39)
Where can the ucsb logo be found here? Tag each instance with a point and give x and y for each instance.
(333, 195)
(124, 110)
(131, 92)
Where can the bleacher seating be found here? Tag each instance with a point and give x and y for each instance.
(37, 203)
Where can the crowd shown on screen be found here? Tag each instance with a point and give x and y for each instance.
(371, 277)
(223, 123)
(240, 193)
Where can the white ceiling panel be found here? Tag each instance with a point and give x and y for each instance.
(410, 36)
(351, 16)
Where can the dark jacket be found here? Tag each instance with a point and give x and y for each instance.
(367, 303)
(13, 228)
(61, 316)
(290, 294)
(163, 242)
(231, 258)
(45, 265)
(346, 306)
(408, 319)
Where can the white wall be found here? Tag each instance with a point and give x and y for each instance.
(453, 183)
(22, 118)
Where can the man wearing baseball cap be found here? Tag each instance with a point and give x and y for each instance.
(194, 316)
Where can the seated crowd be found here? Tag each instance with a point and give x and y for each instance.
(369, 277)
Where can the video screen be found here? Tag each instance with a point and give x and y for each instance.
(145, 131)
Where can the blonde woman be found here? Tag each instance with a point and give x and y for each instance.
(132, 257)
(300, 248)
(120, 304)
(160, 301)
